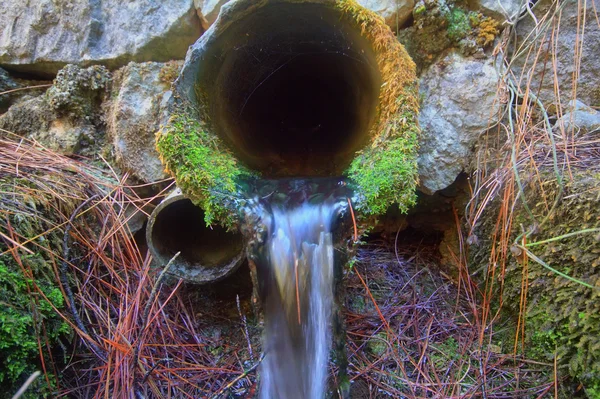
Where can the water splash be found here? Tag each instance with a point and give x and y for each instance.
(296, 273)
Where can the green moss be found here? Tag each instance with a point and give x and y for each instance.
(458, 24)
(386, 172)
(204, 169)
(29, 291)
(378, 344)
(440, 25)
(446, 354)
(22, 315)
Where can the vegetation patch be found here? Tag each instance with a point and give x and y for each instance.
(30, 327)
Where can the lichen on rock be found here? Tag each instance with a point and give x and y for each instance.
(66, 117)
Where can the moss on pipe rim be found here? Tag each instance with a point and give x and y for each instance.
(382, 173)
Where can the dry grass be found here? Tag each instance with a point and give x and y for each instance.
(415, 333)
(136, 337)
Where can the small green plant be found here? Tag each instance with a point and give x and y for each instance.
(459, 24)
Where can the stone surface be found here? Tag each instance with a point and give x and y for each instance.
(65, 118)
(7, 83)
(588, 82)
(23, 87)
(500, 9)
(580, 119)
(395, 12)
(42, 36)
(34, 118)
(209, 10)
(134, 113)
(459, 103)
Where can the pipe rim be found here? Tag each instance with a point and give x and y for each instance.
(183, 269)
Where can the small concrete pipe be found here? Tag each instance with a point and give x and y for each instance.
(208, 254)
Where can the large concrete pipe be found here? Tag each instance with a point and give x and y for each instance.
(288, 88)
(208, 254)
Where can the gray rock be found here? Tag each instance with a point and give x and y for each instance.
(588, 81)
(500, 9)
(458, 106)
(209, 10)
(395, 12)
(7, 83)
(13, 89)
(580, 119)
(77, 92)
(134, 113)
(44, 35)
(66, 117)
(35, 119)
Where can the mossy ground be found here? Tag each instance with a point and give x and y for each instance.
(29, 292)
(561, 317)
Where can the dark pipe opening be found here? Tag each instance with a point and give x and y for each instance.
(293, 89)
(206, 251)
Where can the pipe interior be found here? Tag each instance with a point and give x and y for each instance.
(293, 90)
(180, 226)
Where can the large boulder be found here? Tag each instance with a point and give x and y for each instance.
(459, 104)
(575, 53)
(42, 36)
(134, 113)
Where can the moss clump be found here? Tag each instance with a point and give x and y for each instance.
(385, 172)
(487, 32)
(459, 24)
(378, 344)
(204, 169)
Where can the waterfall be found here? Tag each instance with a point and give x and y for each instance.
(297, 274)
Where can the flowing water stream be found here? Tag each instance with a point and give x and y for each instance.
(296, 274)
